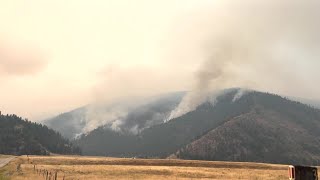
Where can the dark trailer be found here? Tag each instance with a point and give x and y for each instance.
(303, 173)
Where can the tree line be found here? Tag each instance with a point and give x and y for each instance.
(20, 136)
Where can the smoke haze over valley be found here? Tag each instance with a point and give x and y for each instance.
(217, 80)
(62, 62)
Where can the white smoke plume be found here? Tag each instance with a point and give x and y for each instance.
(254, 37)
(131, 115)
(98, 115)
(241, 92)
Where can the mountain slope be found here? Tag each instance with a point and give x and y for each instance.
(18, 136)
(275, 130)
(130, 116)
(164, 139)
(261, 136)
(69, 124)
(256, 127)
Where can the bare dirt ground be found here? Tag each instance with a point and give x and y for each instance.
(80, 167)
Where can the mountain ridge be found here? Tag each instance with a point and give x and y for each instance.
(135, 116)
(72, 124)
(219, 143)
(19, 136)
(170, 138)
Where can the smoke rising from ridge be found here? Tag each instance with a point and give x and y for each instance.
(252, 44)
(133, 115)
(248, 37)
(155, 47)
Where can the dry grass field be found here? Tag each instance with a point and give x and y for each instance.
(4, 156)
(80, 167)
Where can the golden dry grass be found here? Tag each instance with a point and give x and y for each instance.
(4, 156)
(79, 167)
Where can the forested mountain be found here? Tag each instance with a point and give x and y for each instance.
(274, 130)
(166, 138)
(69, 124)
(131, 116)
(311, 102)
(258, 127)
(19, 136)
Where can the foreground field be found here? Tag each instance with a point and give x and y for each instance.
(77, 167)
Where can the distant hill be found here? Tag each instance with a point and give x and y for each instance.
(69, 124)
(19, 136)
(274, 130)
(135, 115)
(311, 102)
(258, 127)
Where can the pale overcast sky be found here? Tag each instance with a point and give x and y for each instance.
(62, 54)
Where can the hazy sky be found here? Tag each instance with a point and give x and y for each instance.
(58, 55)
(53, 54)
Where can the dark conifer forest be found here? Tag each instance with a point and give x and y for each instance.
(19, 136)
